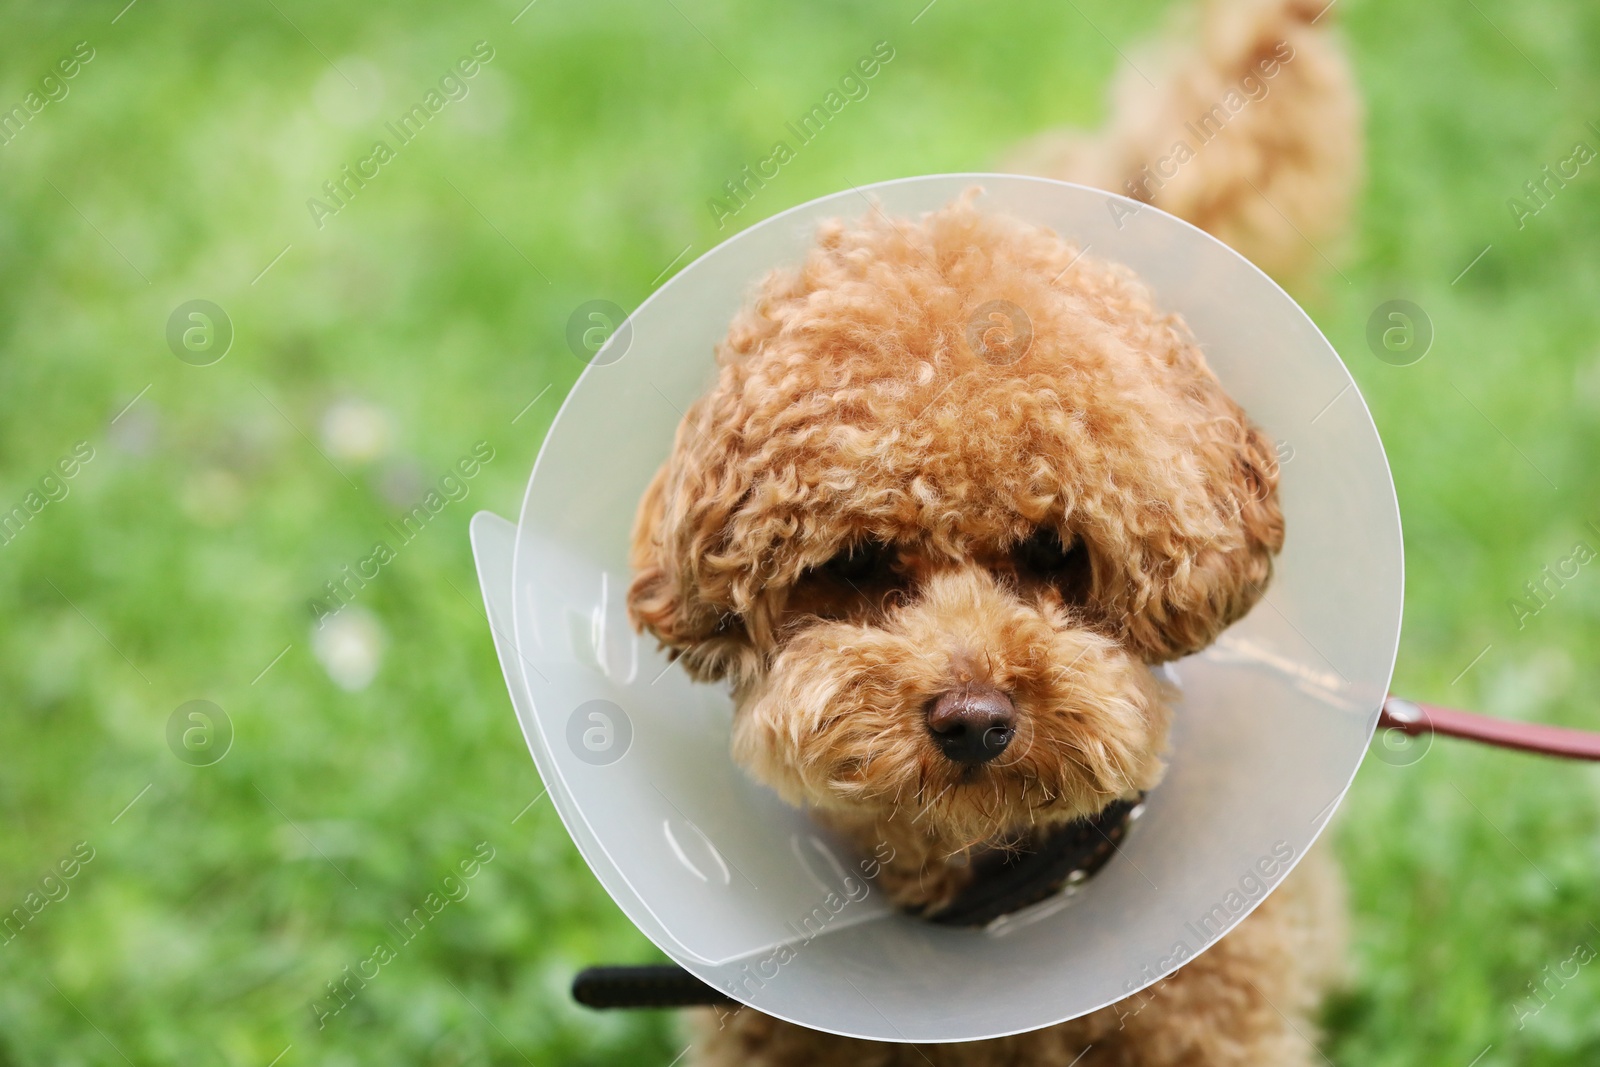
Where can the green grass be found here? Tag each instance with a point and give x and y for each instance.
(219, 904)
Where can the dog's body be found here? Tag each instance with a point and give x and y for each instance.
(1247, 125)
(958, 488)
(1245, 1002)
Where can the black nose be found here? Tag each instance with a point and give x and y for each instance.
(973, 724)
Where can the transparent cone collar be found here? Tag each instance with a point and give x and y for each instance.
(756, 900)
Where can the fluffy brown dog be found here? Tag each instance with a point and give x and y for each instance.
(1244, 120)
(937, 566)
(936, 550)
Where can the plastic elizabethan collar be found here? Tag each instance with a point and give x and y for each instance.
(752, 897)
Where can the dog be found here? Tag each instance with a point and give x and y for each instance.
(1244, 120)
(939, 555)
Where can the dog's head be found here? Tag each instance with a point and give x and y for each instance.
(956, 489)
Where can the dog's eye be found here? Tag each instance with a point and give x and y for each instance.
(1043, 557)
(867, 563)
(863, 577)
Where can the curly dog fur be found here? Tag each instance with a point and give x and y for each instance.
(1215, 1010)
(850, 524)
(1254, 134)
(895, 492)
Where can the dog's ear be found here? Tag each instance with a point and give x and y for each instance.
(654, 601)
(666, 597)
(1211, 578)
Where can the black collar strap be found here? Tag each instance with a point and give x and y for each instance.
(1004, 881)
(664, 985)
(1008, 880)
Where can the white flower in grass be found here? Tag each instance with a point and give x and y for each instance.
(357, 431)
(349, 646)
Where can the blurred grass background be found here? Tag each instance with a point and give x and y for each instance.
(371, 354)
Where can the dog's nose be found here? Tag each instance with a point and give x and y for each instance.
(974, 724)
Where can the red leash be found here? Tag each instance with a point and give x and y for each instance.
(1412, 718)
